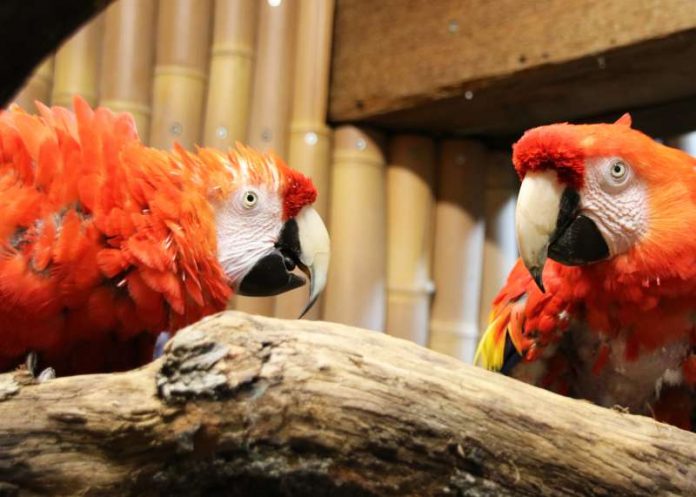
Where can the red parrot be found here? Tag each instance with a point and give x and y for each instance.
(105, 242)
(610, 316)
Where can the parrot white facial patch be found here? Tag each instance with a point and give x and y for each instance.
(246, 233)
(616, 200)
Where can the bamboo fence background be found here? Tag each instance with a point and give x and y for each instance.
(422, 228)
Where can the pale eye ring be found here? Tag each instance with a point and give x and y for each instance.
(249, 199)
(618, 170)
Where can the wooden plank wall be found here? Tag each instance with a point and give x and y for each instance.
(498, 67)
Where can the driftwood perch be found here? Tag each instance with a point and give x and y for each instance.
(250, 406)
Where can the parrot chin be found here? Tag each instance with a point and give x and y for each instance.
(303, 243)
(548, 223)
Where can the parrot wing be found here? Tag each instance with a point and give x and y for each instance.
(98, 245)
(523, 320)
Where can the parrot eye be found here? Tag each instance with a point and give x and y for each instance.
(618, 170)
(250, 198)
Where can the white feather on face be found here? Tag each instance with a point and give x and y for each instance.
(616, 200)
(248, 224)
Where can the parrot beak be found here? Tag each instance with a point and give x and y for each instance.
(548, 224)
(304, 243)
(314, 256)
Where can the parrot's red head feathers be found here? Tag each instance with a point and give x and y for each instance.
(551, 147)
(297, 189)
(564, 147)
(633, 195)
(251, 167)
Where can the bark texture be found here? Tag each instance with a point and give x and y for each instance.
(242, 405)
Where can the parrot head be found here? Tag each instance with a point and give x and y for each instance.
(266, 227)
(599, 192)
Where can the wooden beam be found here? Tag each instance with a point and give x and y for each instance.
(244, 405)
(498, 67)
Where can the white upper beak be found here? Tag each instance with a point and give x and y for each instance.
(315, 247)
(538, 205)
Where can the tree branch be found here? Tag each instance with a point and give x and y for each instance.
(244, 405)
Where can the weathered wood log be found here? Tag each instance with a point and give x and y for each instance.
(243, 405)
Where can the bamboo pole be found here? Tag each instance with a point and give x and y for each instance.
(127, 61)
(76, 66)
(270, 100)
(309, 135)
(273, 77)
(459, 235)
(355, 293)
(179, 83)
(231, 66)
(37, 87)
(410, 204)
(500, 248)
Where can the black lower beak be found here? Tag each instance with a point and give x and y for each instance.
(580, 243)
(577, 239)
(269, 276)
(272, 274)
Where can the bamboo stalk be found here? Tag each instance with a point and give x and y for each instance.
(273, 77)
(500, 248)
(179, 84)
(410, 204)
(459, 235)
(231, 66)
(270, 102)
(355, 293)
(309, 136)
(128, 57)
(77, 63)
(37, 87)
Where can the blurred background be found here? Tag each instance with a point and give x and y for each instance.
(402, 112)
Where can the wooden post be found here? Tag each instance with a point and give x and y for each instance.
(309, 135)
(76, 67)
(459, 234)
(500, 248)
(38, 86)
(410, 204)
(270, 100)
(355, 292)
(127, 62)
(183, 43)
(231, 66)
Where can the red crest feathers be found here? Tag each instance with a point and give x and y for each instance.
(625, 120)
(550, 147)
(298, 192)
